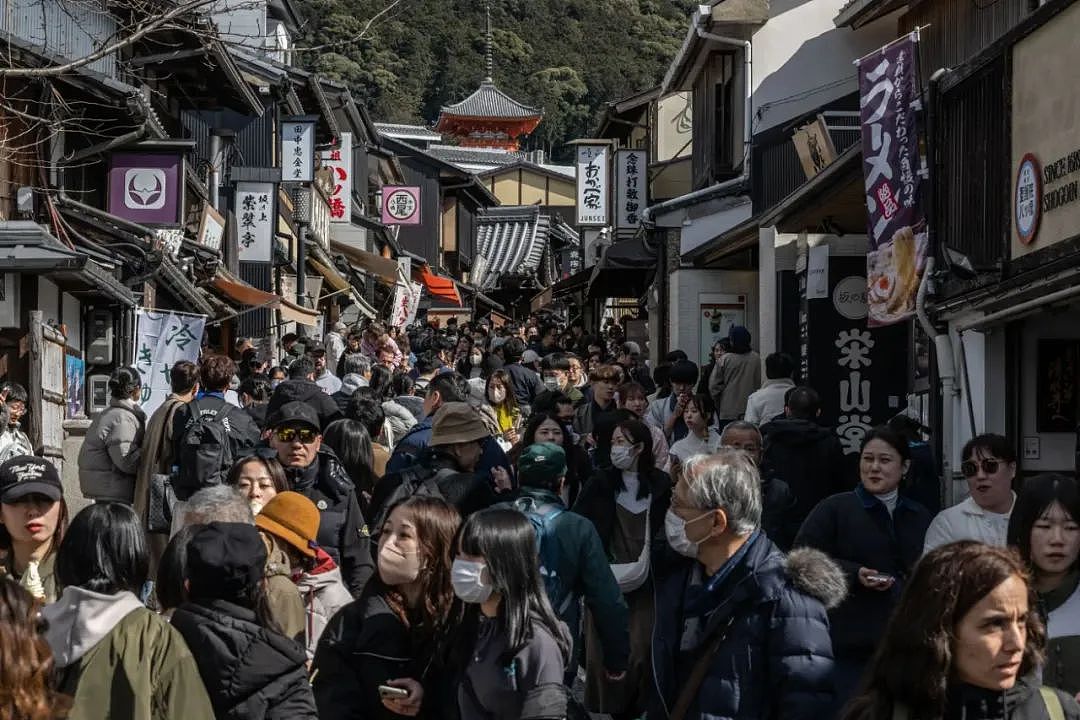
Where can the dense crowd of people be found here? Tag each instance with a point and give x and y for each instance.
(524, 521)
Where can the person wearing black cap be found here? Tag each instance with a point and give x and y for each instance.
(33, 519)
(250, 670)
(301, 387)
(110, 454)
(315, 472)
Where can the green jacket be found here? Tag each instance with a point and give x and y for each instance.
(117, 659)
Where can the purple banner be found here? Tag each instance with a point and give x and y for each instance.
(889, 102)
(146, 188)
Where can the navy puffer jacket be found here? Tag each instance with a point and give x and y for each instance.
(776, 659)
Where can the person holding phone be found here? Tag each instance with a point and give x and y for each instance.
(876, 536)
(376, 658)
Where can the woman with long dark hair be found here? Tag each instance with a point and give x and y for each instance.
(115, 658)
(33, 519)
(967, 622)
(249, 668)
(499, 394)
(26, 691)
(876, 535)
(627, 503)
(516, 647)
(391, 636)
(547, 427)
(1045, 528)
(398, 418)
(350, 441)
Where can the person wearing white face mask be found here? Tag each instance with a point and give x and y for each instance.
(391, 636)
(740, 630)
(627, 503)
(512, 647)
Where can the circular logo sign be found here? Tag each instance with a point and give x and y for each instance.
(401, 205)
(1027, 204)
(849, 297)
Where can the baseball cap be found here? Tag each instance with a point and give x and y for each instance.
(27, 475)
(541, 462)
(295, 413)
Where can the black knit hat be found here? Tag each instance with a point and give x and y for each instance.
(225, 561)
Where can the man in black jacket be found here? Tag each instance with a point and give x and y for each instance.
(316, 473)
(216, 372)
(805, 454)
(301, 387)
(526, 382)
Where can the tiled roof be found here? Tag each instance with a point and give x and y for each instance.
(490, 102)
(509, 241)
(473, 156)
(412, 132)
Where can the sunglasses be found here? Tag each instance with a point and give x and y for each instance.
(305, 435)
(970, 468)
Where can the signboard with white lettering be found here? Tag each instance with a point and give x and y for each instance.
(631, 187)
(297, 150)
(339, 160)
(255, 221)
(592, 185)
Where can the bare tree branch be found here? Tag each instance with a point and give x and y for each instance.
(363, 34)
(141, 30)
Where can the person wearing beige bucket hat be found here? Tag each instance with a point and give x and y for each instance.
(289, 525)
(446, 469)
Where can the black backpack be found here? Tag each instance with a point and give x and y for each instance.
(416, 480)
(205, 454)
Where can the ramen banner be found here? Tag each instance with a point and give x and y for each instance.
(889, 103)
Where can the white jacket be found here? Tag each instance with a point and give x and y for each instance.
(768, 402)
(967, 521)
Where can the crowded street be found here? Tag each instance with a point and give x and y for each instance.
(559, 360)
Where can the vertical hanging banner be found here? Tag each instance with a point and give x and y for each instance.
(255, 220)
(297, 150)
(889, 101)
(631, 187)
(339, 160)
(592, 185)
(163, 338)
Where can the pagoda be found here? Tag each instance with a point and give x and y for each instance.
(489, 118)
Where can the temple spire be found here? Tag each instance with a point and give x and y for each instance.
(489, 62)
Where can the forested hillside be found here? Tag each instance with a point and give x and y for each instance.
(567, 56)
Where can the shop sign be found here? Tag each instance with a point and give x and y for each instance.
(297, 150)
(1027, 203)
(147, 188)
(211, 228)
(255, 220)
(814, 146)
(161, 340)
(631, 187)
(401, 205)
(890, 98)
(339, 161)
(592, 185)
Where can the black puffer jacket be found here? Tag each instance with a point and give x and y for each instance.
(1023, 701)
(809, 458)
(343, 530)
(308, 392)
(250, 673)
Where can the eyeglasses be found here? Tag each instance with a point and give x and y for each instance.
(305, 435)
(970, 468)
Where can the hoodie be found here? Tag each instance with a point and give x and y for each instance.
(116, 659)
(323, 593)
(809, 458)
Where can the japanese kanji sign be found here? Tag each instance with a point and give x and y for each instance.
(592, 184)
(297, 150)
(339, 160)
(631, 187)
(400, 205)
(163, 338)
(255, 221)
(890, 98)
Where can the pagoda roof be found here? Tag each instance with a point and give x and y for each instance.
(490, 102)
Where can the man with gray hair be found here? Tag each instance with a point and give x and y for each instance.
(217, 503)
(741, 629)
(355, 372)
(777, 500)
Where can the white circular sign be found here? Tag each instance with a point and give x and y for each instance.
(1027, 204)
(401, 205)
(849, 297)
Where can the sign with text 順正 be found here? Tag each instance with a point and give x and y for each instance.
(592, 184)
(162, 339)
(297, 150)
(889, 101)
(1045, 158)
(339, 160)
(147, 188)
(255, 221)
(631, 187)
(400, 205)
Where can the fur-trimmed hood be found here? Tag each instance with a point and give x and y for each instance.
(814, 573)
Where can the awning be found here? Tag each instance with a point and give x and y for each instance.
(239, 291)
(385, 269)
(439, 287)
(625, 270)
